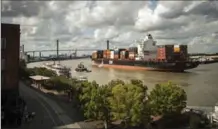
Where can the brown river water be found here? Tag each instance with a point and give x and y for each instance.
(200, 84)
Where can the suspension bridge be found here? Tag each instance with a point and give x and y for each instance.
(72, 55)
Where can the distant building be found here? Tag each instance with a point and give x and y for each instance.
(10, 51)
(23, 55)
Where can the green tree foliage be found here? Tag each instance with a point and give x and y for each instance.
(26, 72)
(128, 101)
(22, 64)
(117, 100)
(102, 104)
(59, 83)
(167, 98)
(88, 98)
(113, 83)
(140, 84)
(94, 101)
(23, 72)
(42, 72)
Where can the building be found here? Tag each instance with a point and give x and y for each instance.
(23, 55)
(10, 51)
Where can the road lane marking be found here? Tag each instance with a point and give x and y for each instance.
(63, 118)
(41, 103)
(47, 110)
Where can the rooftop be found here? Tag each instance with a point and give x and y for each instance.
(39, 77)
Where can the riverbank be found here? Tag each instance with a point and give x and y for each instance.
(202, 80)
(63, 101)
(96, 101)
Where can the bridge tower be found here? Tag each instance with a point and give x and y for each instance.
(57, 49)
(40, 55)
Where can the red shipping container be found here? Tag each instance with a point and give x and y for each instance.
(108, 54)
(161, 53)
(116, 56)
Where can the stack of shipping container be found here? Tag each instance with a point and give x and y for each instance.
(121, 52)
(116, 54)
(106, 54)
(124, 54)
(172, 52)
(111, 54)
(161, 53)
(169, 52)
(100, 54)
(133, 51)
(184, 52)
(180, 53)
(94, 55)
(165, 52)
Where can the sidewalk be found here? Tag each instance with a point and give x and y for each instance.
(63, 102)
(70, 116)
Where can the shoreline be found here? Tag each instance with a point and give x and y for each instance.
(63, 96)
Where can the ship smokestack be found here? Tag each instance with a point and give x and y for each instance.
(108, 45)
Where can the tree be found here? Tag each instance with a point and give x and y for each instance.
(94, 101)
(128, 103)
(22, 63)
(167, 98)
(23, 71)
(113, 83)
(44, 72)
(140, 84)
(58, 83)
(87, 99)
(146, 111)
(103, 105)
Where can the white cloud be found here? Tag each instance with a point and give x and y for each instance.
(89, 24)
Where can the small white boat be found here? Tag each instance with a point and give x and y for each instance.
(81, 78)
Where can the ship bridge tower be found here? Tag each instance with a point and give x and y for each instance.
(147, 45)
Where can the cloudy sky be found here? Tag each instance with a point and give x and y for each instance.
(88, 24)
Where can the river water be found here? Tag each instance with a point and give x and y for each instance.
(200, 84)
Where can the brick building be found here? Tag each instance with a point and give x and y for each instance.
(10, 51)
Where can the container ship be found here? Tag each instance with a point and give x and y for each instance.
(145, 56)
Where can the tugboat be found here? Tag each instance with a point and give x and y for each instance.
(81, 68)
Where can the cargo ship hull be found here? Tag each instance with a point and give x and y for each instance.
(145, 65)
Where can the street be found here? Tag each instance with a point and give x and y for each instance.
(46, 117)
